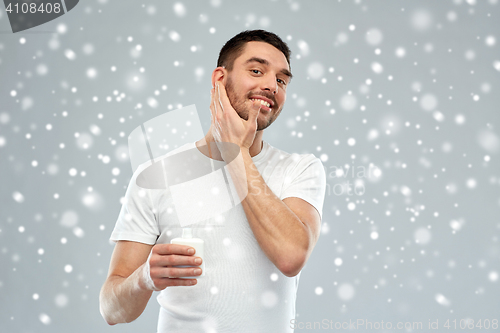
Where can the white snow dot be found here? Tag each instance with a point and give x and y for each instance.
(493, 276)
(115, 171)
(442, 300)
(73, 172)
(214, 290)
(496, 64)
(318, 291)
(374, 235)
(348, 102)
(471, 183)
(62, 28)
(377, 68)
(179, 9)
(303, 47)
(42, 69)
(421, 20)
(456, 225)
(451, 16)
(4, 118)
(61, 300)
(460, 119)
(84, 141)
(405, 190)
(44, 318)
(274, 277)
(18, 197)
(428, 102)
(152, 102)
(68, 268)
(400, 52)
(88, 49)
(422, 236)
(342, 38)
(91, 73)
(70, 54)
(374, 36)
(69, 219)
(438, 116)
(345, 291)
(338, 261)
(269, 299)
(315, 70)
(351, 206)
(490, 40)
(351, 141)
(488, 140)
(36, 296)
(226, 241)
(151, 10)
(174, 35)
(376, 172)
(485, 88)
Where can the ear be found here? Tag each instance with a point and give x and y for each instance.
(219, 75)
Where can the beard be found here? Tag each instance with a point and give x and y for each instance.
(243, 108)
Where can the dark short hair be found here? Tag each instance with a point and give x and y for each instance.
(234, 47)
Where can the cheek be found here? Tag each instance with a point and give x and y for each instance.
(281, 97)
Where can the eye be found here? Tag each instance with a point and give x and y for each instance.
(255, 71)
(282, 82)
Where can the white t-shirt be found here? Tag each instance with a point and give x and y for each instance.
(242, 290)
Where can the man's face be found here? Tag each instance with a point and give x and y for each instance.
(260, 72)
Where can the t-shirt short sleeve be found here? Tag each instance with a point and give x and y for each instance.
(137, 220)
(307, 181)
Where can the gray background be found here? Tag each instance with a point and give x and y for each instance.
(421, 243)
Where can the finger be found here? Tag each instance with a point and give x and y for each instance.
(212, 107)
(224, 100)
(218, 109)
(165, 249)
(174, 272)
(252, 117)
(219, 96)
(175, 260)
(169, 282)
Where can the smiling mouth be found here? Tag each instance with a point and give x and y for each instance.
(262, 102)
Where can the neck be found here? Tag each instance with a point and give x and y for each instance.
(209, 148)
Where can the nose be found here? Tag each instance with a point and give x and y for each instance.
(270, 84)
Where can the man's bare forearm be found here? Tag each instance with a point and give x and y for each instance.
(123, 299)
(285, 240)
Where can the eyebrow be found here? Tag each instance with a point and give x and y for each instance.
(265, 62)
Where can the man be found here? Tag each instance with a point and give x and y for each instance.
(256, 257)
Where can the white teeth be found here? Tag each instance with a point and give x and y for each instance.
(262, 102)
